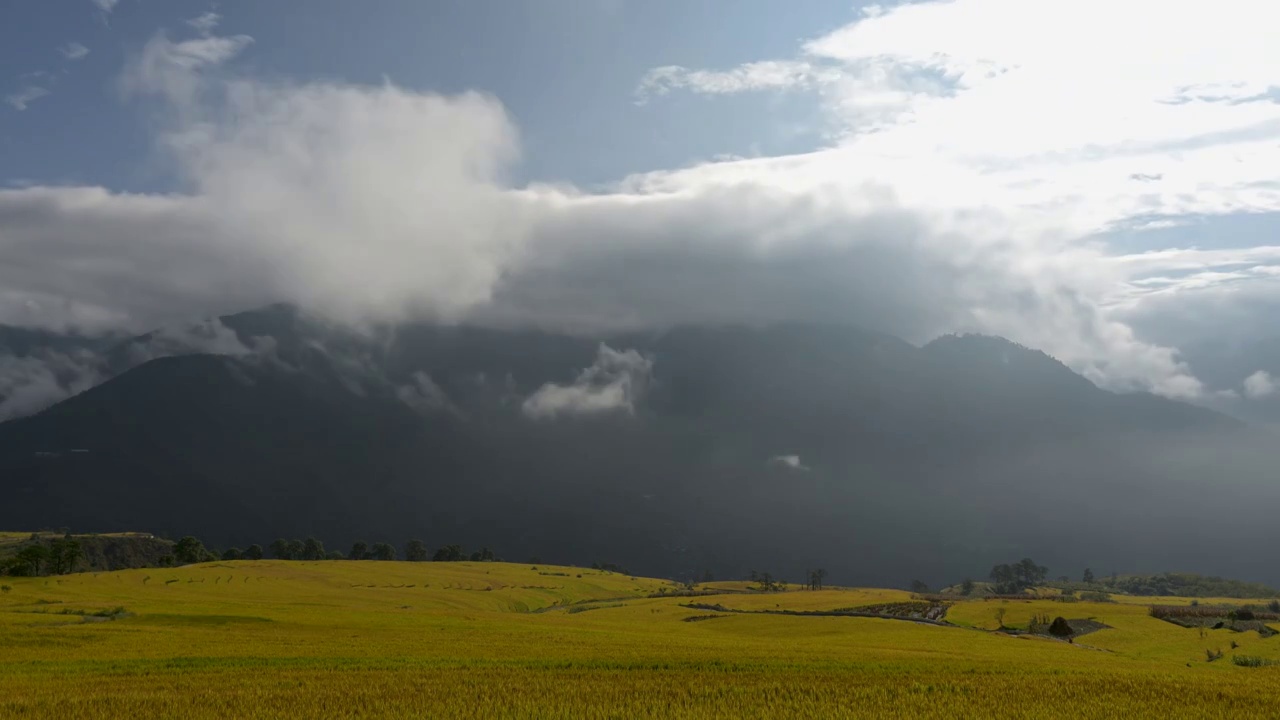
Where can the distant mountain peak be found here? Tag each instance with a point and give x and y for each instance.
(1010, 360)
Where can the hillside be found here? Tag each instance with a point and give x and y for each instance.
(287, 639)
(672, 453)
(93, 552)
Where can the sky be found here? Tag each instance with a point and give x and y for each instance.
(1098, 180)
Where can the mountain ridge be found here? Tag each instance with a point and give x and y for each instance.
(656, 450)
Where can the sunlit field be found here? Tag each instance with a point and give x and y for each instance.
(273, 639)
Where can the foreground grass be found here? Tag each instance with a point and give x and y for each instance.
(365, 639)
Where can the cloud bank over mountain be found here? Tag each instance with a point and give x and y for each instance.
(969, 185)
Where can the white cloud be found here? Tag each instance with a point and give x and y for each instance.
(205, 23)
(207, 336)
(381, 203)
(105, 6)
(999, 102)
(1259, 385)
(22, 99)
(789, 461)
(357, 202)
(613, 384)
(998, 111)
(32, 382)
(73, 51)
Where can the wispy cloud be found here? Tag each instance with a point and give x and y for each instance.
(791, 462)
(22, 99)
(73, 51)
(205, 23)
(173, 69)
(29, 383)
(755, 76)
(105, 6)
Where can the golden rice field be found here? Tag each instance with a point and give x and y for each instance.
(273, 639)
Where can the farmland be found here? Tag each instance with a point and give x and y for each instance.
(277, 639)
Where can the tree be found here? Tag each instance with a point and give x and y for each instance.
(1060, 627)
(1010, 579)
(55, 557)
(334, 555)
(766, 581)
(32, 558)
(280, 549)
(383, 551)
(919, 586)
(296, 549)
(1088, 576)
(253, 552)
(415, 551)
(708, 577)
(312, 549)
(359, 551)
(449, 553)
(189, 550)
(1004, 579)
(966, 587)
(1029, 573)
(816, 578)
(483, 555)
(64, 553)
(232, 553)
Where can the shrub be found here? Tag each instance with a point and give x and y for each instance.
(5, 589)
(1251, 661)
(1060, 627)
(1274, 606)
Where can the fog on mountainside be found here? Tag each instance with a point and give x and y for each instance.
(698, 448)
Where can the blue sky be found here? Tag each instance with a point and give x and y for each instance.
(591, 165)
(565, 69)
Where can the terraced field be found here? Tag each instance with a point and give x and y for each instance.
(273, 639)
